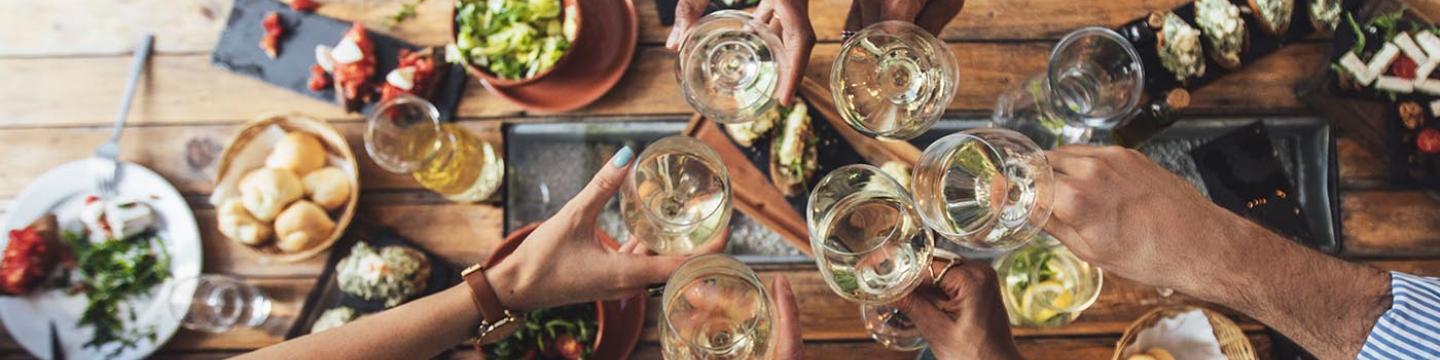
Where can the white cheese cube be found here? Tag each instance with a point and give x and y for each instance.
(348, 52)
(1377, 65)
(1435, 108)
(1422, 73)
(1427, 86)
(1395, 84)
(322, 58)
(1411, 50)
(403, 78)
(1350, 62)
(1430, 43)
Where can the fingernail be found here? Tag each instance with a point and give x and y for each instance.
(622, 157)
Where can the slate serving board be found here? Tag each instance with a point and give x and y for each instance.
(238, 51)
(326, 294)
(833, 152)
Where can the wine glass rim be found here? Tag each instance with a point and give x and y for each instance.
(949, 143)
(372, 125)
(726, 18)
(1090, 296)
(1052, 69)
(689, 146)
(744, 273)
(947, 64)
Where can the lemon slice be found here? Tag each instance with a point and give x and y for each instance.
(1052, 291)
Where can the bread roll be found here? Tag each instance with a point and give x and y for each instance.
(266, 191)
(301, 226)
(298, 152)
(237, 224)
(328, 187)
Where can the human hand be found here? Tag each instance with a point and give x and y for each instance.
(1118, 210)
(789, 344)
(788, 19)
(562, 262)
(962, 315)
(931, 15)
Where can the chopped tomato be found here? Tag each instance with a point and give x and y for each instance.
(1403, 67)
(353, 77)
(567, 347)
(319, 80)
(304, 5)
(424, 65)
(25, 262)
(1428, 141)
(273, 30)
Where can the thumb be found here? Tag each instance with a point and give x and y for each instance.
(933, 323)
(686, 13)
(789, 344)
(591, 200)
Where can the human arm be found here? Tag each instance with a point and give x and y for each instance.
(961, 315)
(1118, 210)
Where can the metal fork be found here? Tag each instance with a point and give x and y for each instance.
(106, 165)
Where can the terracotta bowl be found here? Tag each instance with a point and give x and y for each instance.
(619, 322)
(571, 12)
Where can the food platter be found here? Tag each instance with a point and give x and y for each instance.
(62, 191)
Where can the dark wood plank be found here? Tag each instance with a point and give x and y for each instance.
(1390, 223)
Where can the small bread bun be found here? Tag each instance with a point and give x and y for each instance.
(1160, 354)
(302, 225)
(237, 224)
(298, 152)
(328, 187)
(266, 191)
(1140, 357)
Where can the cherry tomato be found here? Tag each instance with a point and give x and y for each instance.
(1428, 141)
(568, 347)
(304, 5)
(1403, 67)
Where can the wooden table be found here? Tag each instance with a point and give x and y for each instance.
(64, 62)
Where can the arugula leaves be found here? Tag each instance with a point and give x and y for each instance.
(110, 272)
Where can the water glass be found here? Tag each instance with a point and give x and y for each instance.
(217, 303)
(727, 67)
(893, 80)
(1093, 81)
(404, 135)
(869, 241)
(715, 308)
(986, 189)
(1045, 285)
(677, 196)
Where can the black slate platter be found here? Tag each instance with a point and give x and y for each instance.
(239, 51)
(1243, 174)
(833, 152)
(327, 295)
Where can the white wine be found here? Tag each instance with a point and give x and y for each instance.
(677, 198)
(875, 247)
(986, 189)
(727, 67)
(893, 80)
(715, 308)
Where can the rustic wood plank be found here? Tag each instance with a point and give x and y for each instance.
(1390, 223)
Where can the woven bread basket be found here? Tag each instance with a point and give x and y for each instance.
(1233, 342)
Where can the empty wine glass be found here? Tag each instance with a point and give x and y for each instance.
(217, 303)
(987, 189)
(1045, 285)
(727, 68)
(715, 308)
(869, 242)
(892, 80)
(677, 196)
(1094, 81)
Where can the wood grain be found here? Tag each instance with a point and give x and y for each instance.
(1391, 223)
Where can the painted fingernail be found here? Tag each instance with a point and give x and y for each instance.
(622, 157)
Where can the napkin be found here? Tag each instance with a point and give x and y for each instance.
(1186, 336)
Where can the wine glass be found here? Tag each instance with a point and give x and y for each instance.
(1094, 81)
(727, 68)
(1045, 285)
(404, 135)
(891, 327)
(987, 189)
(868, 239)
(715, 308)
(217, 303)
(677, 196)
(893, 80)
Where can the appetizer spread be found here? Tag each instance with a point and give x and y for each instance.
(273, 30)
(568, 332)
(1224, 30)
(1179, 48)
(793, 152)
(1403, 64)
(289, 200)
(1273, 15)
(746, 133)
(414, 74)
(393, 274)
(512, 39)
(333, 318)
(354, 62)
(30, 256)
(1325, 14)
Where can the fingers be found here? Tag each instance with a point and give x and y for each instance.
(852, 20)
(799, 39)
(686, 13)
(869, 12)
(787, 330)
(591, 200)
(933, 323)
(1067, 208)
(937, 13)
(902, 10)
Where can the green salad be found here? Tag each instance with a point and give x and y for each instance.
(567, 332)
(513, 39)
(109, 273)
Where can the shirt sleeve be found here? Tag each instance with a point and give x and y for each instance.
(1411, 328)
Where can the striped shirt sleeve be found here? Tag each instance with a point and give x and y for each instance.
(1411, 328)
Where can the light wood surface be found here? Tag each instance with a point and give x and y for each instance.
(64, 62)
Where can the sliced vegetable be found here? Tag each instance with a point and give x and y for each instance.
(513, 39)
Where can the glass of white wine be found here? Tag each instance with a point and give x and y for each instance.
(715, 308)
(404, 135)
(727, 67)
(1094, 82)
(1045, 285)
(869, 242)
(677, 196)
(891, 327)
(987, 189)
(893, 80)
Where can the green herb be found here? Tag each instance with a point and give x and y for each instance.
(111, 272)
(543, 329)
(514, 39)
(406, 12)
(1388, 24)
(1359, 47)
(845, 280)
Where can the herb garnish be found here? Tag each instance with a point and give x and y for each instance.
(110, 272)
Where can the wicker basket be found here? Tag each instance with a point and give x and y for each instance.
(1233, 342)
(233, 165)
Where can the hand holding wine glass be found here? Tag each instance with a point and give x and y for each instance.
(788, 19)
(931, 15)
(962, 315)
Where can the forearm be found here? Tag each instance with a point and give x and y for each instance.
(1324, 304)
(417, 330)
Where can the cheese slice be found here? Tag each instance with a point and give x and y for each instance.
(1430, 43)
(403, 78)
(1395, 84)
(347, 52)
(1357, 68)
(1377, 65)
(1422, 73)
(1428, 86)
(1411, 50)
(322, 58)
(1435, 108)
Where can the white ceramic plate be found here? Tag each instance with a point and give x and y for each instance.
(62, 191)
